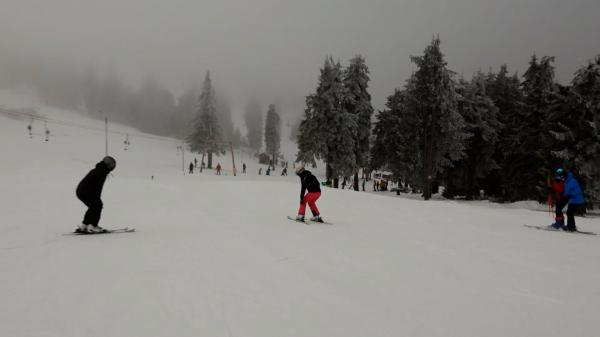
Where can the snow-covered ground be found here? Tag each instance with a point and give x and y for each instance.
(215, 255)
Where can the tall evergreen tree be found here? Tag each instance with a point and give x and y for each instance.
(328, 131)
(467, 177)
(206, 136)
(539, 92)
(575, 128)
(273, 133)
(396, 145)
(358, 103)
(306, 139)
(505, 92)
(254, 125)
(433, 98)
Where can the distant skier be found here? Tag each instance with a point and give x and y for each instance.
(260, 171)
(284, 171)
(89, 191)
(268, 172)
(191, 167)
(573, 196)
(311, 184)
(244, 168)
(219, 169)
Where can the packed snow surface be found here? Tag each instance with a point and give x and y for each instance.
(215, 255)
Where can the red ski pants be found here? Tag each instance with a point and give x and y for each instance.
(310, 198)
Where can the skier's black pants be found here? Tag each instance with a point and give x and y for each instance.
(92, 216)
(571, 210)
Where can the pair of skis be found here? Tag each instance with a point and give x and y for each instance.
(546, 228)
(308, 222)
(105, 231)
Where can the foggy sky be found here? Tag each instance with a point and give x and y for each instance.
(274, 48)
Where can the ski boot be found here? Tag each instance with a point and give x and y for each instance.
(95, 229)
(317, 218)
(558, 224)
(570, 227)
(81, 228)
(300, 217)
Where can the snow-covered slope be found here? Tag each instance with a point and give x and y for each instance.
(215, 256)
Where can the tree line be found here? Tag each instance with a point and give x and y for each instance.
(208, 136)
(497, 133)
(150, 107)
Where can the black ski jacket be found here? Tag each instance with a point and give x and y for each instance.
(90, 187)
(309, 183)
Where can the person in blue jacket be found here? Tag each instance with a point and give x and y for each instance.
(573, 196)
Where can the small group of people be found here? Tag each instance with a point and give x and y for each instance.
(380, 185)
(194, 164)
(30, 128)
(565, 190)
(90, 188)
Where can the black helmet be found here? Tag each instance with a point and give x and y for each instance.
(110, 162)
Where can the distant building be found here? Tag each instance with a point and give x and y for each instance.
(264, 158)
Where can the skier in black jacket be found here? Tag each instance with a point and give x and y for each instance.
(89, 190)
(310, 184)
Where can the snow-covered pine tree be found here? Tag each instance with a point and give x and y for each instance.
(206, 136)
(254, 125)
(575, 129)
(306, 139)
(467, 177)
(563, 128)
(273, 133)
(505, 92)
(432, 96)
(358, 103)
(328, 131)
(539, 90)
(396, 140)
(586, 87)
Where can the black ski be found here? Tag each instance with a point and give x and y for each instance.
(308, 222)
(545, 228)
(106, 231)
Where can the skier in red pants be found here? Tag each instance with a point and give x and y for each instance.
(310, 184)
